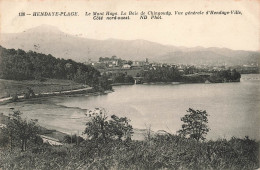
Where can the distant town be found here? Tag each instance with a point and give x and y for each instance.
(114, 67)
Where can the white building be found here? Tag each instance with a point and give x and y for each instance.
(126, 66)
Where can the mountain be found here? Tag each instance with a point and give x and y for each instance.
(50, 40)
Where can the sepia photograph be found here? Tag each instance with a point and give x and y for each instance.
(130, 84)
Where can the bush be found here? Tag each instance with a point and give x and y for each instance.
(14, 97)
(100, 129)
(20, 131)
(73, 139)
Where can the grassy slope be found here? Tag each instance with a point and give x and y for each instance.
(10, 87)
(161, 152)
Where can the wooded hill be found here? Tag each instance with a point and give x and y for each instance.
(21, 65)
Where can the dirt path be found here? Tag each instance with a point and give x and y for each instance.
(50, 93)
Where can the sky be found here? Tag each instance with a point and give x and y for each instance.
(238, 32)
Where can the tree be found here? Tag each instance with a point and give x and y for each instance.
(29, 94)
(120, 127)
(235, 75)
(20, 130)
(97, 127)
(104, 83)
(130, 62)
(101, 129)
(195, 124)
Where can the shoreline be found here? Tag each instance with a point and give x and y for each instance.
(88, 90)
(178, 83)
(138, 135)
(120, 84)
(155, 83)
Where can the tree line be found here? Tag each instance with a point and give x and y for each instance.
(189, 75)
(161, 74)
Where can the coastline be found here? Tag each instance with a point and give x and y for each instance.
(88, 90)
(120, 84)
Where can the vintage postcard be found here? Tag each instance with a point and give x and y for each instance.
(130, 84)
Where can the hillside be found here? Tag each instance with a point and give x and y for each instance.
(21, 65)
(50, 40)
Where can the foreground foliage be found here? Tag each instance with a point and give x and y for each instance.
(109, 146)
(162, 152)
(19, 132)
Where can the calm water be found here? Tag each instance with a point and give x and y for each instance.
(233, 107)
